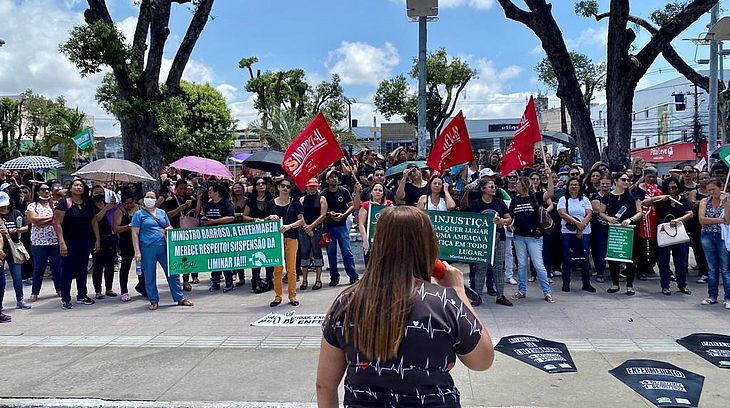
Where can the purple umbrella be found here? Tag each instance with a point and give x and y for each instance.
(202, 165)
(240, 157)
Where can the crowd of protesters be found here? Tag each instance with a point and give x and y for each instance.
(63, 225)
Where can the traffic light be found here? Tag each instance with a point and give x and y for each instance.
(679, 104)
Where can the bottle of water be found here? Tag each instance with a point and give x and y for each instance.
(19, 222)
(139, 268)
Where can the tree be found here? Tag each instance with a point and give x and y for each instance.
(197, 123)
(287, 103)
(38, 113)
(136, 69)
(66, 124)
(591, 77)
(10, 125)
(445, 76)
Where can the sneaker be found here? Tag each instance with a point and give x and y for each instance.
(228, 287)
(589, 288)
(214, 287)
(557, 273)
(67, 305)
(702, 279)
(334, 282)
(727, 304)
(512, 281)
(354, 280)
(22, 305)
(85, 301)
(5, 318)
(708, 301)
(502, 300)
(125, 297)
(99, 296)
(110, 293)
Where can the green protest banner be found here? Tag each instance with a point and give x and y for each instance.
(620, 243)
(724, 153)
(463, 236)
(225, 247)
(84, 139)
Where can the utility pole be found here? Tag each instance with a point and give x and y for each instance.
(422, 132)
(712, 125)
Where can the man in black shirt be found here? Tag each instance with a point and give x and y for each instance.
(378, 176)
(339, 205)
(366, 168)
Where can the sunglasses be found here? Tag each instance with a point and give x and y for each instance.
(286, 186)
(624, 179)
(574, 174)
(261, 183)
(44, 190)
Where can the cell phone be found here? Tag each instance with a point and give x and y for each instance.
(620, 212)
(188, 202)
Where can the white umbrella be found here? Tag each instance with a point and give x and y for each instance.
(31, 162)
(108, 170)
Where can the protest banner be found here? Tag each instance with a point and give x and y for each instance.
(714, 348)
(290, 318)
(620, 243)
(547, 355)
(663, 384)
(225, 247)
(463, 236)
(84, 140)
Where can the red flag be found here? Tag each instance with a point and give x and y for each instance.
(311, 152)
(452, 146)
(520, 152)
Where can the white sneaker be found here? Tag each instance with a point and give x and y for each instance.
(512, 281)
(709, 301)
(702, 279)
(727, 304)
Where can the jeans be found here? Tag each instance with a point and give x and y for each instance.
(483, 269)
(75, 265)
(290, 262)
(151, 255)
(42, 255)
(104, 261)
(599, 245)
(509, 259)
(574, 247)
(718, 259)
(309, 246)
(15, 273)
(340, 236)
(531, 246)
(679, 253)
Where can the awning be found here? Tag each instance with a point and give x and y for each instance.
(559, 137)
(671, 152)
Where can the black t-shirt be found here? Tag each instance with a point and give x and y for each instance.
(288, 213)
(438, 328)
(222, 208)
(172, 204)
(668, 210)
(77, 220)
(413, 193)
(10, 222)
(525, 216)
(497, 205)
(365, 170)
(258, 208)
(105, 229)
(614, 203)
(337, 201)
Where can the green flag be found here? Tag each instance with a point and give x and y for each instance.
(84, 139)
(724, 154)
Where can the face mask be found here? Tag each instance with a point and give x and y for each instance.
(99, 198)
(149, 202)
(44, 198)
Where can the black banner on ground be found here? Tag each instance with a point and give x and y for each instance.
(549, 356)
(714, 348)
(664, 384)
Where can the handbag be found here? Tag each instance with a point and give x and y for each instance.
(569, 226)
(20, 254)
(325, 240)
(187, 221)
(545, 221)
(668, 235)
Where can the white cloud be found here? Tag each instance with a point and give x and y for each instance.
(244, 111)
(588, 38)
(229, 92)
(485, 96)
(475, 4)
(127, 26)
(360, 63)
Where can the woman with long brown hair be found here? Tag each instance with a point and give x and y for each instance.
(394, 335)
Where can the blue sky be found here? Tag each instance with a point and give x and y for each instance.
(364, 41)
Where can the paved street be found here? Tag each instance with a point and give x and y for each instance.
(211, 353)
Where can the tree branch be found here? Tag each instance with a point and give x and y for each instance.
(158, 36)
(140, 34)
(515, 13)
(200, 18)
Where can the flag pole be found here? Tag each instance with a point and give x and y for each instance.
(726, 180)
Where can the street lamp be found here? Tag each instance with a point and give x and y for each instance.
(421, 11)
(2, 42)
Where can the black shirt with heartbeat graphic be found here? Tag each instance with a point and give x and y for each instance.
(438, 327)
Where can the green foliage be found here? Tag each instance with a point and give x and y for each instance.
(587, 8)
(444, 78)
(132, 108)
(196, 123)
(284, 126)
(666, 15)
(588, 73)
(38, 113)
(90, 47)
(9, 116)
(66, 124)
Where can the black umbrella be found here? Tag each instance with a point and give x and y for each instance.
(266, 160)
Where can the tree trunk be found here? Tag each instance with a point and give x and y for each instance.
(140, 145)
(563, 118)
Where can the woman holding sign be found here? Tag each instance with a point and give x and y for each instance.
(394, 335)
(149, 226)
(258, 209)
(377, 196)
(620, 207)
(715, 211)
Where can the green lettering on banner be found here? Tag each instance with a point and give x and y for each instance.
(463, 236)
(225, 247)
(620, 244)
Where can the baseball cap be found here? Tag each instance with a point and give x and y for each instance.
(4, 199)
(486, 173)
(312, 182)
